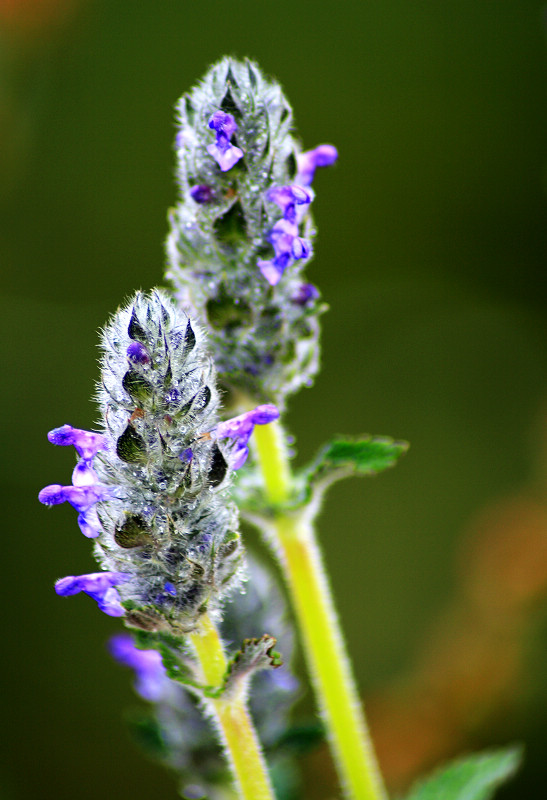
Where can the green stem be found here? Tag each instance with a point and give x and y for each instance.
(323, 643)
(232, 717)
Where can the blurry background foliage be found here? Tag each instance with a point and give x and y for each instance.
(431, 254)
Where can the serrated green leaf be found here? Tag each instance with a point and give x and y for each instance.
(255, 654)
(344, 457)
(473, 778)
(364, 456)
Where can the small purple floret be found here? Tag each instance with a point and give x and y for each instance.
(322, 156)
(202, 193)
(287, 198)
(224, 153)
(240, 429)
(151, 681)
(305, 293)
(87, 443)
(224, 124)
(187, 455)
(288, 247)
(138, 354)
(97, 585)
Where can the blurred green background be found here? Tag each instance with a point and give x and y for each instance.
(431, 255)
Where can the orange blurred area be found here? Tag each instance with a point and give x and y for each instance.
(471, 673)
(471, 669)
(28, 17)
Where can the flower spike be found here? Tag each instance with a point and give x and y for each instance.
(150, 488)
(241, 238)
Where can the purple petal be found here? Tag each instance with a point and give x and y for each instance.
(239, 457)
(84, 474)
(187, 455)
(226, 155)
(109, 602)
(300, 248)
(89, 523)
(151, 679)
(271, 271)
(265, 413)
(282, 236)
(52, 495)
(287, 198)
(223, 123)
(322, 156)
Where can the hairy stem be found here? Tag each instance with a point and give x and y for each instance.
(232, 719)
(324, 648)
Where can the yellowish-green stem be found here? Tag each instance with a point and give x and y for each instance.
(233, 721)
(323, 643)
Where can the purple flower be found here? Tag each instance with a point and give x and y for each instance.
(85, 491)
(287, 198)
(288, 247)
(274, 268)
(80, 497)
(224, 153)
(202, 193)
(99, 586)
(151, 681)
(187, 455)
(305, 293)
(322, 156)
(86, 443)
(137, 353)
(240, 429)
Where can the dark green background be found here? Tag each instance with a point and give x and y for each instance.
(431, 255)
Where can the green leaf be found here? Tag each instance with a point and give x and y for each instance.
(344, 457)
(179, 666)
(362, 456)
(255, 654)
(473, 778)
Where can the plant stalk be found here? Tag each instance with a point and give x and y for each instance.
(232, 718)
(324, 648)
